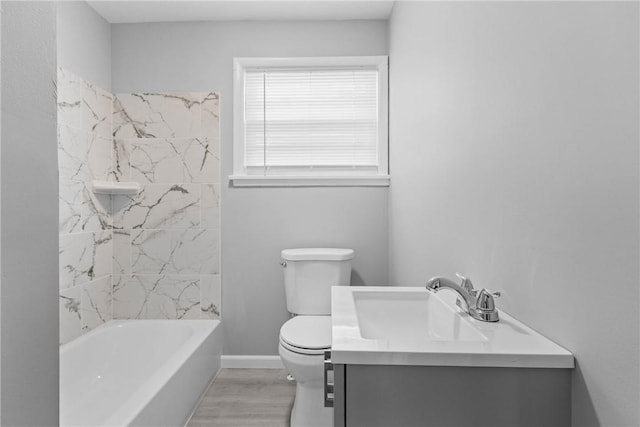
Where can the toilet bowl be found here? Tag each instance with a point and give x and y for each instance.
(309, 274)
(303, 341)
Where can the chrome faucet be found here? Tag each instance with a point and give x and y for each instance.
(479, 305)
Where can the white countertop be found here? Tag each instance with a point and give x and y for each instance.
(458, 340)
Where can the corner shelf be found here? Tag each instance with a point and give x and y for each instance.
(115, 188)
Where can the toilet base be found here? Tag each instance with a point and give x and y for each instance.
(308, 405)
(308, 408)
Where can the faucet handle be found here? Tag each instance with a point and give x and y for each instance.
(466, 284)
(485, 300)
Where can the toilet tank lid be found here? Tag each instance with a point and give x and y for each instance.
(317, 254)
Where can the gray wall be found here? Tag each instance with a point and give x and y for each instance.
(29, 245)
(84, 42)
(258, 223)
(519, 167)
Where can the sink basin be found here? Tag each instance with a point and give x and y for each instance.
(388, 325)
(403, 318)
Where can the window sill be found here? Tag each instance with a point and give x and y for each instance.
(307, 181)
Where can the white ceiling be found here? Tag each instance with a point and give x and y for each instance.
(240, 10)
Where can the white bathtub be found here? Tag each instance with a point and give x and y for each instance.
(138, 372)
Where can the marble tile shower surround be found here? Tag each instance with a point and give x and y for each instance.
(166, 238)
(154, 255)
(85, 227)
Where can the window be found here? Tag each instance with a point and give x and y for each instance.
(310, 121)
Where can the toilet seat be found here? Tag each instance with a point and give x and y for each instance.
(307, 334)
(303, 351)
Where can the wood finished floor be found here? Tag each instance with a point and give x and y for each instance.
(246, 397)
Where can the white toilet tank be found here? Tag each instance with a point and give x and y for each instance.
(309, 274)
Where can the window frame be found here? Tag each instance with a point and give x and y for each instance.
(240, 177)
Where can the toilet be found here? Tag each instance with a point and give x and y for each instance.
(309, 274)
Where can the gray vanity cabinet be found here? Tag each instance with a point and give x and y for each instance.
(403, 396)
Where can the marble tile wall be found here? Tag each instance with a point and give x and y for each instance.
(86, 235)
(154, 255)
(166, 238)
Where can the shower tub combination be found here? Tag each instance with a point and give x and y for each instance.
(138, 372)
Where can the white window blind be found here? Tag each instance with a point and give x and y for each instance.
(324, 120)
(315, 121)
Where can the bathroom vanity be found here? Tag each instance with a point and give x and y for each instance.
(405, 357)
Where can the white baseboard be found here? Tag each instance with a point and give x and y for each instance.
(254, 362)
